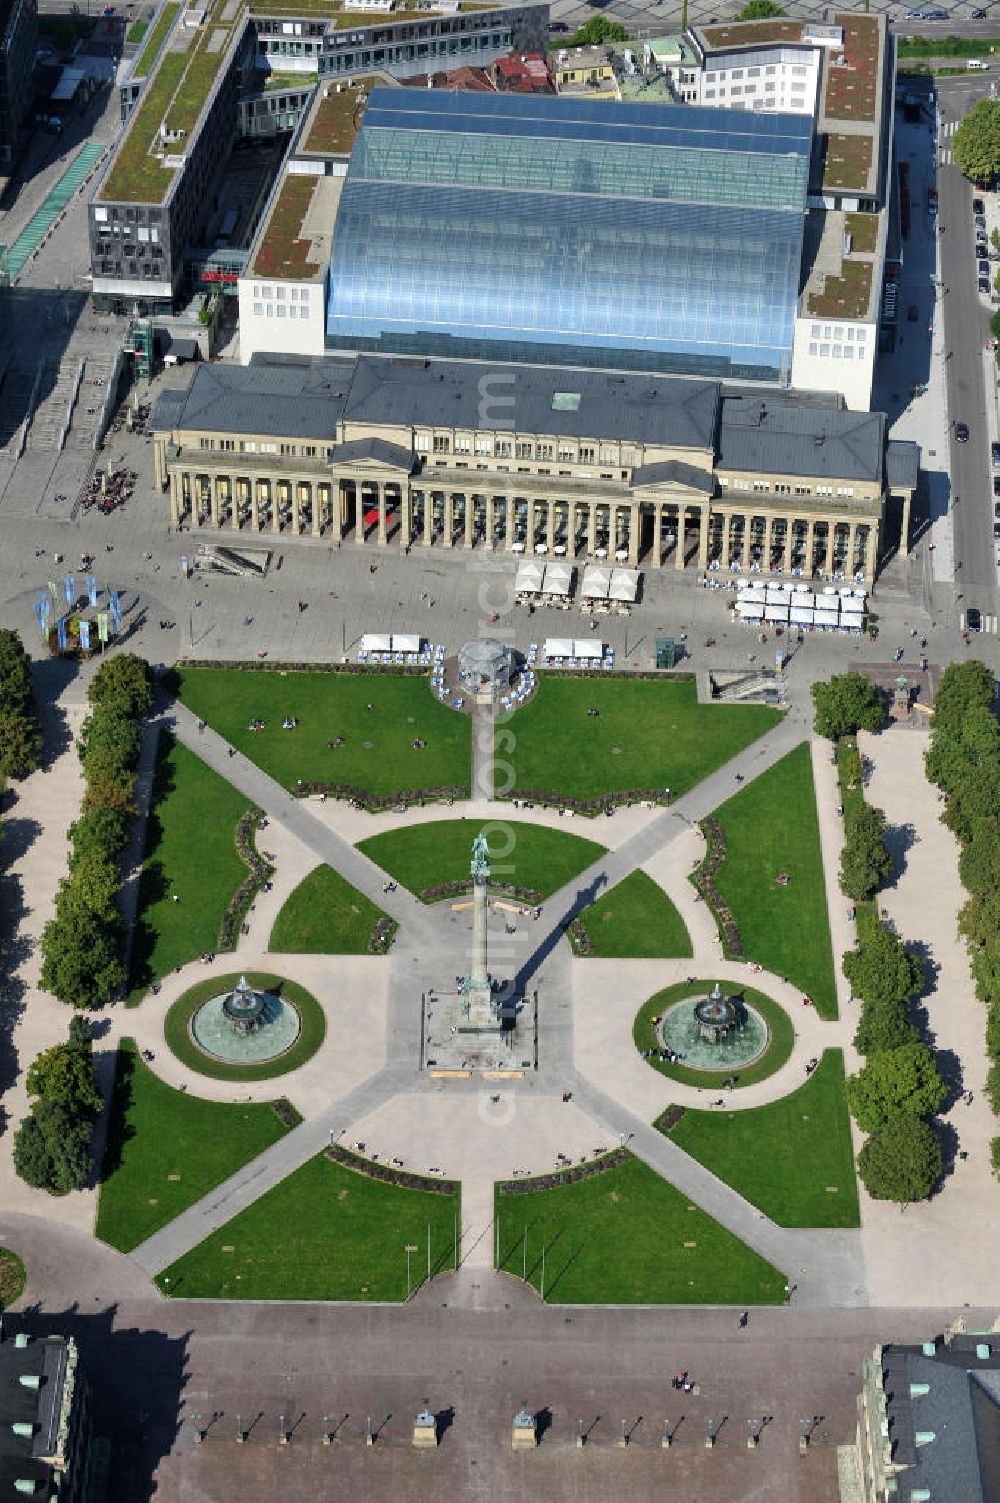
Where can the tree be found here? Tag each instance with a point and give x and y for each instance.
(65, 1073)
(101, 829)
(975, 797)
(111, 734)
(112, 790)
(20, 743)
(883, 1025)
(91, 887)
(845, 704)
(125, 681)
(596, 31)
(81, 959)
(80, 1032)
(15, 673)
(896, 1082)
(881, 969)
(52, 1149)
(759, 10)
(962, 686)
(979, 860)
(976, 142)
(901, 1162)
(865, 863)
(956, 748)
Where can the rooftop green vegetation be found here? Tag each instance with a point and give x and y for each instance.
(624, 1236)
(377, 754)
(325, 915)
(846, 296)
(136, 32)
(852, 90)
(771, 830)
(282, 252)
(204, 63)
(327, 1232)
(950, 46)
(191, 855)
(154, 39)
(534, 858)
(792, 1158)
(863, 230)
(743, 33)
(848, 161)
(636, 918)
(337, 117)
(280, 82)
(648, 734)
(136, 176)
(166, 1149)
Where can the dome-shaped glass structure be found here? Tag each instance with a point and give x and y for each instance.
(486, 661)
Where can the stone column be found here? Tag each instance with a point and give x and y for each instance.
(768, 535)
(831, 529)
(852, 543)
(274, 493)
(786, 562)
(449, 519)
(745, 549)
(634, 532)
(510, 511)
(810, 545)
(491, 520)
(592, 527)
(296, 507)
(571, 529)
(470, 517)
(175, 500)
(428, 529)
(679, 545)
(550, 523)
(234, 510)
(214, 498)
(871, 555)
(904, 535)
(359, 512)
(405, 515)
(703, 537)
(383, 530)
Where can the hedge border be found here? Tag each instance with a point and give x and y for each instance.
(260, 872)
(611, 1160)
(404, 1179)
(177, 1036)
(703, 880)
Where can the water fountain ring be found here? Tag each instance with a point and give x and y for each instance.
(245, 1026)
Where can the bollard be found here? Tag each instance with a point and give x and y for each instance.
(803, 1444)
(752, 1441)
(523, 1433)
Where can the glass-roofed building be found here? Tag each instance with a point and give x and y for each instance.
(576, 232)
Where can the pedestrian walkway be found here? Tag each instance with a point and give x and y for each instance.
(42, 221)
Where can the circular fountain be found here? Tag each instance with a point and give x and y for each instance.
(246, 1025)
(714, 1032)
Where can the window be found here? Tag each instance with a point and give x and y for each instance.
(267, 292)
(608, 455)
(227, 444)
(280, 294)
(484, 446)
(293, 312)
(442, 443)
(836, 351)
(463, 445)
(280, 310)
(269, 448)
(813, 347)
(206, 443)
(862, 336)
(503, 448)
(258, 310)
(736, 89)
(838, 332)
(824, 352)
(586, 454)
(294, 294)
(522, 451)
(289, 449)
(848, 352)
(737, 73)
(753, 73)
(304, 310)
(248, 446)
(422, 443)
(543, 451)
(309, 451)
(799, 72)
(567, 454)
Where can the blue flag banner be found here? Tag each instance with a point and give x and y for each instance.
(116, 610)
(53, 589)
(85, 635)
(61, 634)
(69, 585)
(91, 584)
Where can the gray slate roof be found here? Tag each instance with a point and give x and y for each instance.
(460, 394)
(764, 435)
(676, 471)
(303, 400)
(394, 455)
(902, 464)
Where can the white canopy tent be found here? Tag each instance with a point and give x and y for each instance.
(558, 579)
(825, 616)
(374, 641)
(750, 610)
(584, 647)
(775, 613)
(801, 615)
(528, 579)
(624, 585)
(407, 642)
(558, 647)
(596, 583)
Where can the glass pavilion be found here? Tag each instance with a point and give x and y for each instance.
(566, 231)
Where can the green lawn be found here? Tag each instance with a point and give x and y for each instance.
(781, 1034)
(792, 1158)
(650, 734)
(190, 851)
(421, 856)
(378, 755)
(771, 828)
(324, 1233)
(636, 918)
(325, 915)
(628, 1237)
(136, 32)
(12, 1278)
(177, 1031)
(166, 1149)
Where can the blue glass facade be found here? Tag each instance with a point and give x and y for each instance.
(574, 232)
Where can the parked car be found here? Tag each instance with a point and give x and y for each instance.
(996, 529)
(996, 489)
(934, 15)
(978, 207)
(995, 455)
(984, 284)
(973, 619)
(962, 433)
(980, 222)
(977, 15)
(983, 267)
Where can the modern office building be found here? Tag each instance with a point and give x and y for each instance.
(18, 40)
(181, 103)
(44, 1419)
(573, 232)
(408, 452)
(928, 1423)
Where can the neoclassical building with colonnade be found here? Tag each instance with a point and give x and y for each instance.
(417, 453)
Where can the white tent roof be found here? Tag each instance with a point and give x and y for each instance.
(586, 648)
(852, 608)
(826, 617)
(756, 593)
(374, 641)
(596, 582)
(752, 611)
(624, 584)
(557, 580)
(557, 647)
(775, 612)
(406, 642)
(801, 615)
(528, 576)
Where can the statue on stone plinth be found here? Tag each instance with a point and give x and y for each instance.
(480, 867)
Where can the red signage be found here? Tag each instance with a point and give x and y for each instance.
(220, 276)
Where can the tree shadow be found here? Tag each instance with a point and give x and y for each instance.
(141, 1373)
(898, 840)
(929, 967)
(153, 888)
(19, 835)
(948, 1138)
(950, 1069)
(119, 1129)
(15, 948)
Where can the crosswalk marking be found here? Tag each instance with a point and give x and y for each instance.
(945, 157)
